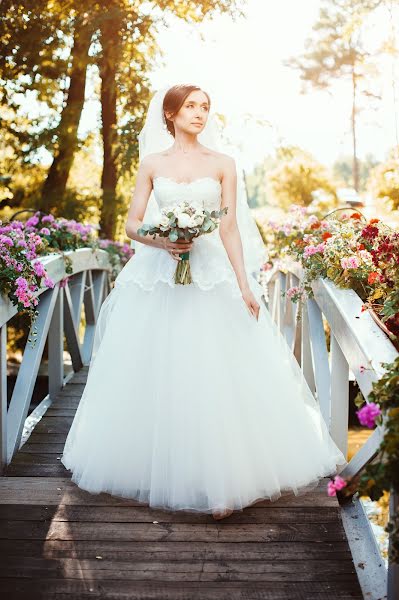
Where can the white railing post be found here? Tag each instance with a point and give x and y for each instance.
(56, 347)
(393, 568)
(339, 412)
(59, 312)
(3, 397)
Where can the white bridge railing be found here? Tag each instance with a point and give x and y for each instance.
(60, 310)
(358, 345)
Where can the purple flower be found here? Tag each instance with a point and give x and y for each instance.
(39, 269)
(45, 231)
(22, 283)
(48, 282)
(368, 414)
(32, 221)
(7, 241)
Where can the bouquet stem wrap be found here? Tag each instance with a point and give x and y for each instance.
(183, 271)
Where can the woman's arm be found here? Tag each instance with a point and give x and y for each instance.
(230, 234)
(138, 206)
(228, 227)
(137, 210)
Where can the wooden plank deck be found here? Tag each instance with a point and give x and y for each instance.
(58, 541)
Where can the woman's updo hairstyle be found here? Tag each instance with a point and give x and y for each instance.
(174, 100)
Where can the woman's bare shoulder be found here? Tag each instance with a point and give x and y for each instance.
(222, 159)
(151, 161)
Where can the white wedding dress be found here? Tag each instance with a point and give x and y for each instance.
(190, 403)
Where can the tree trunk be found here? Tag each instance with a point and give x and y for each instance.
(67, 131)
(355, 169)
(108, 69)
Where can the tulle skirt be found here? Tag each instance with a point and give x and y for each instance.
(192, 404)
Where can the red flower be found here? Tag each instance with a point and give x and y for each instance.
(370, 232)
(356, 216)
(326, 235)
(315, 225)
(372, 278)
(361, 247)
(364, 307)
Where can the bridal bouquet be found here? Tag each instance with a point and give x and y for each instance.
(183, 221)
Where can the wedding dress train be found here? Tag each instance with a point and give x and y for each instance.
(190, 403)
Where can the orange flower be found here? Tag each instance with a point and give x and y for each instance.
(361, 247)
(315, 225)
(356, 215)
(373, 276)
(326, 235)
(373, 221)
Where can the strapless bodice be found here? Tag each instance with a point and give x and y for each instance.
(209, 261)
(204, 192)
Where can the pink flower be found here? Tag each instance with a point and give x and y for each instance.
(39, 269)
(48, 282)
(368, 414)
(22, 283)
(292, 291)
(312, 249)
(336, 484)
(351, 262)
(339, 482)
(64, 281)
(45, 231)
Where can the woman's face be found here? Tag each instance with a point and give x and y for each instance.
(193, 114)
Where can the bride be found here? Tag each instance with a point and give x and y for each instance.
(193, 399)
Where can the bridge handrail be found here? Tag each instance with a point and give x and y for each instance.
(86, 284)
(358, 344)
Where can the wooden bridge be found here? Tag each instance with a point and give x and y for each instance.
(58, 541)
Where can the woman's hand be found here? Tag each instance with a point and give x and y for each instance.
(251, 302)
(176, 248)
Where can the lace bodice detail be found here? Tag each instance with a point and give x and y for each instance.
(209, 262)
(204, 192)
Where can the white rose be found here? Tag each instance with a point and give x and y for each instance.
(164, 222)
(184, 220)
(193, 222)
(199, 218)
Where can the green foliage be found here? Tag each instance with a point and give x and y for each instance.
(297, 177)
(48, 47)
(384, 181)
(382, 474)
(342, 171)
